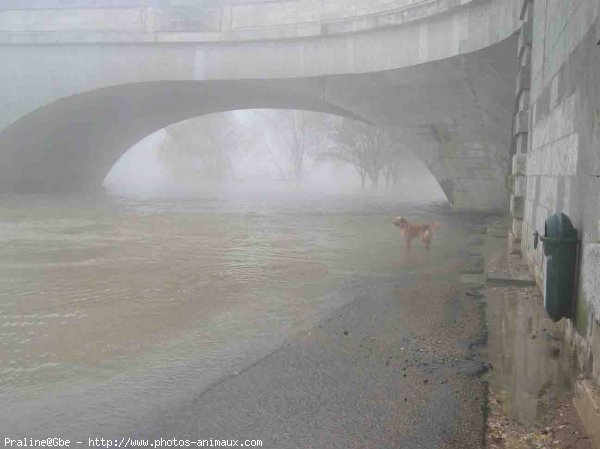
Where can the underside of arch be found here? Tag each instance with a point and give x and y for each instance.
(71, 144)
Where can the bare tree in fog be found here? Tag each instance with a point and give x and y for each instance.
(298, 134)
(347, 149)
(391, 172)
(369, 149)
(201, 149)
(394, 161)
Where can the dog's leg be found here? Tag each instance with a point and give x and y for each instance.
(426, 238)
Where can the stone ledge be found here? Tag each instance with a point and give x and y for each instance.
(472, 280)
(523, 80)
(521, 124)
(521, 280)
(587, 403)
(278, 27)
(517, 206)
(517, 228)
(518, 185)
(514, 244)
(519, 164)
(523, 100)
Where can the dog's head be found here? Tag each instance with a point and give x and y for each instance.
(400, 222)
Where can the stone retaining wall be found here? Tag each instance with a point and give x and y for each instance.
(563, 152)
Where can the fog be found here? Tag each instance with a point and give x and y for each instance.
(416, 266)
(252, 146)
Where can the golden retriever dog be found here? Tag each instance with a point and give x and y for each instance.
(409, 231)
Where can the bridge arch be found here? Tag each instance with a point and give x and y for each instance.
(71, 144)
(76, 92)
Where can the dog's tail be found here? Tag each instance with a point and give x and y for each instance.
(430, 227)
(428, 230)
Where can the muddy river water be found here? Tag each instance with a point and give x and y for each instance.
(114, 311)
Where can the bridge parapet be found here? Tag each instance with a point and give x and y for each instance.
(179, 21)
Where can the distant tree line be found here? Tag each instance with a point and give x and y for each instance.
(206, 147)
(372, 151)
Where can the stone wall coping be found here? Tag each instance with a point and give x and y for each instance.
(395, 14)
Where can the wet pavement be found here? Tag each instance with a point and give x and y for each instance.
(531, 383)
(398, 367)
(532, 365)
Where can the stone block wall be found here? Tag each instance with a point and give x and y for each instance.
(563, 152)
(521, 125)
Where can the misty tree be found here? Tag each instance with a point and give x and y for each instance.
(391, 173)
(398, 153)
(367, 148)
(298, 134)
(392, 170)
(201, 149)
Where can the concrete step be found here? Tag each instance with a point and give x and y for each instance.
(473, 280)
(507, 279)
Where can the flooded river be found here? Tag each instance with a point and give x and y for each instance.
(115, 311)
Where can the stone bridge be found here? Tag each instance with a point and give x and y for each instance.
(82, 81)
